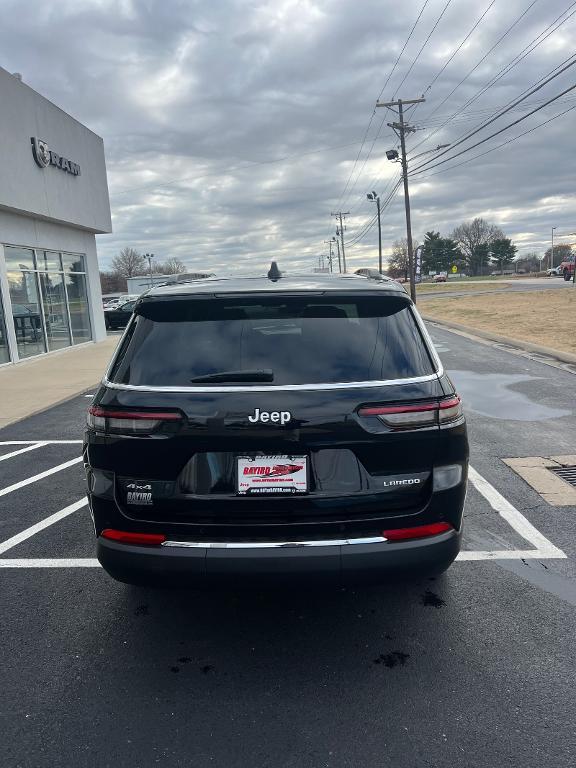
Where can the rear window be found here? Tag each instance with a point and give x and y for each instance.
(300, 340)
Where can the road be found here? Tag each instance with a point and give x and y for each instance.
(474, 668)
(518, 284)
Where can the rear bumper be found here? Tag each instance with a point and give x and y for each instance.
(334, 564)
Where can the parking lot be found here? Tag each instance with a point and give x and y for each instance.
(474, 668)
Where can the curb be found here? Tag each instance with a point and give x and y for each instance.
(563, 357)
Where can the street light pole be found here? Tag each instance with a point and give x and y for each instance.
(552, 249)
(373, 196)
(149, 256)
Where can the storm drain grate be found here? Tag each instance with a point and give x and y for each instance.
(566, 473)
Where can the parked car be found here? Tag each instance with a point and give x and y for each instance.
(554, 272)
(440, 278)
(276, 429)
(373, 274)
(567, 267)
(117, 317)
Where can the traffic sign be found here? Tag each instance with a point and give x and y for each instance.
(454, 268)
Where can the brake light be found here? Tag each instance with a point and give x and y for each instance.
(125, 537)
(131, 422)
(416, 414)
(418, 532)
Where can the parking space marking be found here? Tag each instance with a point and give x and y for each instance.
(543, 548)
(22, 450)
(55, 562)
(515, 520)
(34, 529)
(45, 442)
(40, 476)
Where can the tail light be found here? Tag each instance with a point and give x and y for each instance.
(129, 422)
(126, 537)
(416, 415)
(418, 532)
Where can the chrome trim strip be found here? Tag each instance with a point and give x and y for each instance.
(280, 388)
(272, 544)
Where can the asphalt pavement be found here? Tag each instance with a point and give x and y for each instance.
(474, 668)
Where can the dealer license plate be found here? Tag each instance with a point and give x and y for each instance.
(263, 475)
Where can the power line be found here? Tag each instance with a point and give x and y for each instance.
(487, 9)
(497, 133)
(498, 146)
(373, 220)
(424, 44)
(505, 70)
(475, 67)
(501, 113)
(372, 116)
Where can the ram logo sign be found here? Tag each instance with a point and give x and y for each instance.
(44, 157)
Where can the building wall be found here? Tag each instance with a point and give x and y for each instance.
(49, 192)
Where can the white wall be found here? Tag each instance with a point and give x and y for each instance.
(50, 192)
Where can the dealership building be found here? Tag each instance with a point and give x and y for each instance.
(53, 201)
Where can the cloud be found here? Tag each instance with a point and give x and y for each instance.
(231, 128)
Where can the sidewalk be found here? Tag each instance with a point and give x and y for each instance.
(32, 386)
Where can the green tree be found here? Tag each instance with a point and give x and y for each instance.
(439, 253)
(502, 252)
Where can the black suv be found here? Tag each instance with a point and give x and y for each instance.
(276, 428)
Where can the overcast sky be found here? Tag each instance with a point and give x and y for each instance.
(232, 128)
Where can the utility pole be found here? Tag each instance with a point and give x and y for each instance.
(552, 250)
(330, 256)
(401, 129)
(335, 239)
(340, 231)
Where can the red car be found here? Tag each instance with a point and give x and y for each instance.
(567, 267)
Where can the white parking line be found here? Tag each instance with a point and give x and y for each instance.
(515, 519)
(39, 476)
(544, 549)
(55, 562)
(46, 442)
(22, 450)
(34, 529)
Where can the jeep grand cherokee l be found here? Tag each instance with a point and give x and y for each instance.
(276, 428)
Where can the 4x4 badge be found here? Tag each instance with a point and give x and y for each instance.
(277, 417)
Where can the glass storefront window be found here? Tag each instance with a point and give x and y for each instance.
(73, 262)
(48, 261)
(77, 291)
(18, 259)
(26, 312)
(55, 312)
(4, 353)
(49, 296)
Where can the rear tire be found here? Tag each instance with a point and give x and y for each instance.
(566, 275)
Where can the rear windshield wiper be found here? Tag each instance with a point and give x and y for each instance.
(224, 376)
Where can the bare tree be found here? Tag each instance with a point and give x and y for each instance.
(398, 261)
(474, 238)
(129, 263)
(172, 266)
